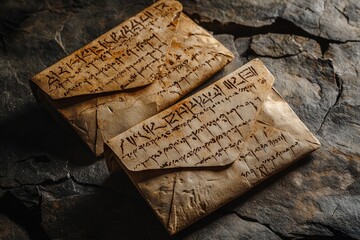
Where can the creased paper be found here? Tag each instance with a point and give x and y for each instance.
(206, 150)
(139, 68)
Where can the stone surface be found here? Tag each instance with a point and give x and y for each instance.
(344, 114)
(281, 45)
(47, 171)
(238, 229)
(334, 20)
(11, 231)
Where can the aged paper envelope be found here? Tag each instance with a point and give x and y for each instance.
(130, 73)
(208, 149)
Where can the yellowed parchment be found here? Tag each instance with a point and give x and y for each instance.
(168, 57)
(210, 148)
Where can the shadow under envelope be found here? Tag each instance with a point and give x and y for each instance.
(116, 210)
(35, 133)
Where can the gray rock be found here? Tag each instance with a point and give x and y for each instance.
(35, 170)
(66, 189)
(106, 214)
(343, 117)
(48, 172)
(291, 203)
(248, 13)
(233, 227)
(346, 64)
(304, 202)
(10, 230)
(281, 46)
(95, 173)
(335, 19)
(306, 82)
(36, 150)
(339, 211)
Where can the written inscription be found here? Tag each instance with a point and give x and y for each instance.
(267, 150)
(124, 57)
(207, 129)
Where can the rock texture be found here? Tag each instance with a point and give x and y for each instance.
(9, 230)
(334, 19)
(52, 187)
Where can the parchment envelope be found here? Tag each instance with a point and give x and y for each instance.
(212, 147)
(130, 73)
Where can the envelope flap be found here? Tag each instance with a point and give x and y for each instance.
(204, 130)
(127, 56)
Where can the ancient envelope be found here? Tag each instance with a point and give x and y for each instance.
(208, 149)
(130, 73)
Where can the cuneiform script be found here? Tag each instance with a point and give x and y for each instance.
(207, 129)
(268, 150)
(239, 122)
(128, 56)
(194, 55)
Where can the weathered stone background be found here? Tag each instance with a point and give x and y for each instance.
(51, 187)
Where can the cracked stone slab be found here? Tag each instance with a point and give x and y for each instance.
(342, 126)
(254, 13)
(92, 174)
(346, 58)
(318, 197)
(66, 189)
(308, 84)
(335, 19)
(326, 180)
(281, 45)
(75, 23)
(306, 81)
(313, 191)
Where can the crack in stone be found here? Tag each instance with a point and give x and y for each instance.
(343, 14)
(337, 206)
(42, 158)
(254, 220)
(47, 182)
(337, 234)
(237, 31)
(280, 26)
(320, 26)
(314, 237)
(339, 84)
(58, 39)
(355, 123)
(85, 184)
